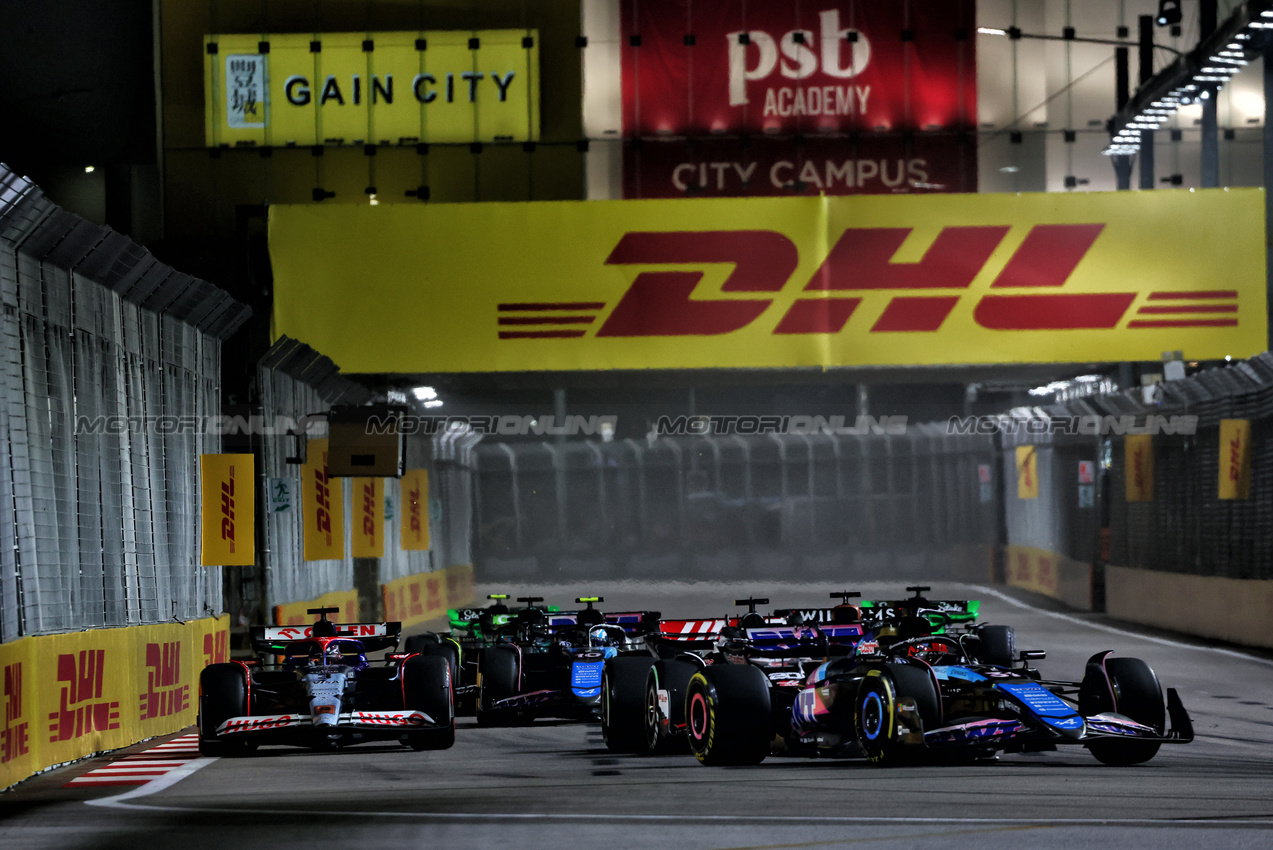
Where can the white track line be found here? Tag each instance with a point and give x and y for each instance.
(167, 780)
(990, 591)
(119, 802)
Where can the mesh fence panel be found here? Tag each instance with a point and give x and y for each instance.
(100, 499)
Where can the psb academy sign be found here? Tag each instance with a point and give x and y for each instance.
(372, 88)
(941, 279)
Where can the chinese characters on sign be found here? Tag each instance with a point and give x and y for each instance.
(245, 90)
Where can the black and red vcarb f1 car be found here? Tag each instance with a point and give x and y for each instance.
(319, 690)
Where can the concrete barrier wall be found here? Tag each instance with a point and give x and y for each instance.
(71, 695)
(1234, 610)
(1050, 574)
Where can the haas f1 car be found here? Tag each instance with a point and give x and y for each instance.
(900, 698)
(324, 693)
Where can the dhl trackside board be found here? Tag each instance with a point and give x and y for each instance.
(773, 282)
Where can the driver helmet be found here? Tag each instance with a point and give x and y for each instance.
(600, 636)
(334, 655)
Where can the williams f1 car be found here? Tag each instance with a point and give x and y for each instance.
(324, 693)
(546, 664)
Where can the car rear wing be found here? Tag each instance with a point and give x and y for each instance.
(876, 611)
(273, 640)
(631, 621)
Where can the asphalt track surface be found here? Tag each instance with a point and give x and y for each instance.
(554, 785)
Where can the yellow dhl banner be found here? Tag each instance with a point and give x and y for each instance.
(66, 696)
(228, 510)
(369, 518)
(415, 598)
(1027, 472)
(774, 282)
(322, 506)
(1138, 467)
(414, 521)
(371, 88)
(1235, 459)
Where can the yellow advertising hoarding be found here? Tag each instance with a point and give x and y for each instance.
(1138, 467)
(415, 510)
(322, 506)
(371, 88)
(66, 696)
(228, 510)
(773, 282)
(369, 517)
(1027, 472)
(1235, 458)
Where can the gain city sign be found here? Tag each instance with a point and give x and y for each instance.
(371, 88)
(768, 282)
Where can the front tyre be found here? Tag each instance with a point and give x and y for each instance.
(623, 703)
(427, 687)
(884, 738)
(1139, 696)
(498, 676)
(727, 715)
(223, 693)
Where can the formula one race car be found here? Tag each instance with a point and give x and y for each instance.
(643, 695)
(546, 664)
(897, 699)
(643, 706)
(324, 693)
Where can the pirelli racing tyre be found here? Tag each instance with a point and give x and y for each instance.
(998, 645)
(727, 714)
(223, 693)
(623, 703)
(427, 687)
(1139, 696)
(432, 646)
(885, 740)
(498, 676)
(665, 706)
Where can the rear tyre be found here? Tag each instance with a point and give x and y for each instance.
(1139, 697)
(998, 645)
(665, 724)
(497, 673)
(875, 712)
(727, 714)
(223, 694)
(427, 688)
(623, 703)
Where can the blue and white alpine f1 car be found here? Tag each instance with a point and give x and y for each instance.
(897, 699)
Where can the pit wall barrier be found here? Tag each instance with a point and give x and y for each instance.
(67, 696)
(1049, 574)
(426, 596)
(1228, 609)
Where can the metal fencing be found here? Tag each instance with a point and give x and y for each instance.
(1184, 526)
(297, 382)
(816, 505)
(103, 352)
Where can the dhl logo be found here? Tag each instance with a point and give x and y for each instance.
(165, 693)
(369, 512)
(322, 499)
(14, 738)
(227, 509)
(1024, 296)
(81, 709)
(414, 520)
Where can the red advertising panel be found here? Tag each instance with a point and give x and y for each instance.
(884, 78)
